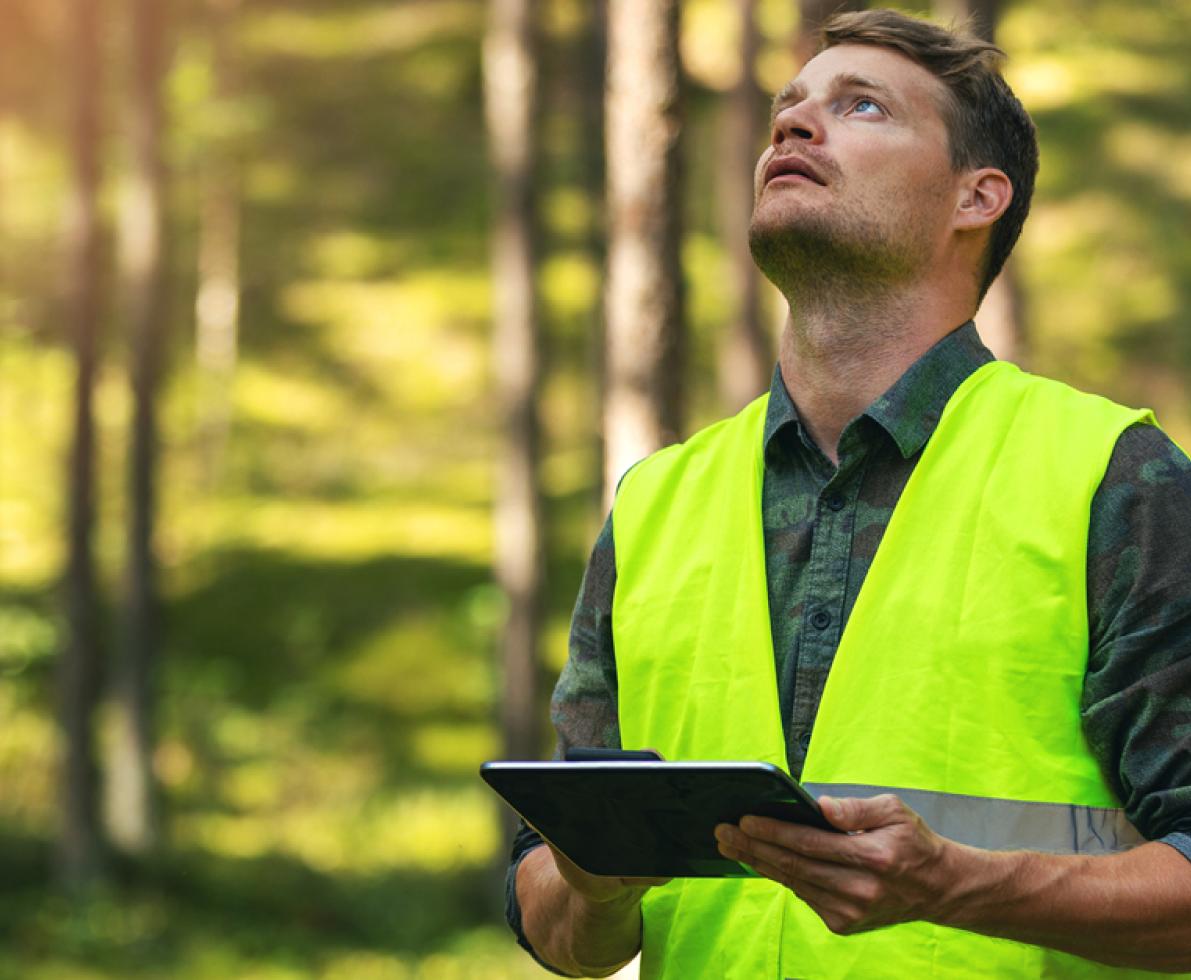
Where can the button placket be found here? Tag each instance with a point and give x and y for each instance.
(830, 517)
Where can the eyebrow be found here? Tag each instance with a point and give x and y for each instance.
(794, 91)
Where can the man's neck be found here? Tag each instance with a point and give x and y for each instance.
(836, 360)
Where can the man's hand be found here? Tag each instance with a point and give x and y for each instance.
(890, 867)
(1130, 909)
(602, 889)
(584, 924)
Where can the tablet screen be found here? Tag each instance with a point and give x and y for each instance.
(648, 819)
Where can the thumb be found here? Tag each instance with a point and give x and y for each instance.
(852, 813)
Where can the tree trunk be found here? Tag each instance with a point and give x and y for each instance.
(746, 354)
(1000, 318)
(79, 846)
(812, 15)
(132, 810)
(510, 89)
(645, 343)
(592, 61)
(217, 299)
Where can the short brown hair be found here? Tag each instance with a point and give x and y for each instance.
(986, 124)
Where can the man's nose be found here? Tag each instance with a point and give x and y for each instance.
(797, 123)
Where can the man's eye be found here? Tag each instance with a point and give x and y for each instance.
(867, 107)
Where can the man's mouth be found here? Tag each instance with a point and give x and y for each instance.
(793, 167)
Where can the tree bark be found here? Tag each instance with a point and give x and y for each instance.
(217, 299)
(1000, 319)
(746, 354)
(132, 800)
(510, 90)
(79, 851)
(592, 62)
(643, 406)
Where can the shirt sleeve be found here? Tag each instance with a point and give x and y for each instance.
(583, 707)
(1136, 704)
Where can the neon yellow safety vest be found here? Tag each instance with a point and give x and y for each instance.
(956, 684)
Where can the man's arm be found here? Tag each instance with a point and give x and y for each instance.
(1131, 909)
(1137, 691)
(584, 712)
(585, 925)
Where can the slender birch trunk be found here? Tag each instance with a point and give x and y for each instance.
(510, 90)
(746, 354)
(643, 406)
(217, 298)
(132, 799)
(79, 851)
(592, 61)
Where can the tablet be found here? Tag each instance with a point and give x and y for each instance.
(645, 819)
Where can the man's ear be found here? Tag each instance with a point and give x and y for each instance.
(983, 197)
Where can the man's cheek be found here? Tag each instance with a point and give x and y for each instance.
(759, 175)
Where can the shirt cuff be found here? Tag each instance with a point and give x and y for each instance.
(1180, 841)
(525, 841)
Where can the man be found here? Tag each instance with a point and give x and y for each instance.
(1007, 556)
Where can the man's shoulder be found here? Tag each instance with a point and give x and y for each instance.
(1146, 463)
(1001, 404)
(1142, 446)
(1148, 450)
(1040, 391)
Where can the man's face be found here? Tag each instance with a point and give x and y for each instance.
(857, 178)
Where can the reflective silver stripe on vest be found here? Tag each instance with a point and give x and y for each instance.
(1006, 825)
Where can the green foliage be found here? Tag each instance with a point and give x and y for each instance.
(1104, 254)
(328, 684)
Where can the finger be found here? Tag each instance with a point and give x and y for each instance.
(729, 852)
(808, 841)
(820, 899)
(850, 814)
(794, 867)
(565, 864)
(737, 846)
(842, 912)
(854, 813)
(840, 915)
(599, 888)
(842, 905)
(574, 874)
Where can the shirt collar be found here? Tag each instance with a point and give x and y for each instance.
(910, 409)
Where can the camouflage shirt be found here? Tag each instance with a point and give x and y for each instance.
(822, 527)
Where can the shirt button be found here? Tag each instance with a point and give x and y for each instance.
(804, 740)
(820, 619)
(835, 502)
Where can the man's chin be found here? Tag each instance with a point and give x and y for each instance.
(781, 244)
(790, 221)
(800, 252)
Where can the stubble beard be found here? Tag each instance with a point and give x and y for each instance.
(832, 261)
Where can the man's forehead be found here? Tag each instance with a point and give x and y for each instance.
(863, 66)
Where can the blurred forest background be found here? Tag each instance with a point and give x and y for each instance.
(324, 325)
